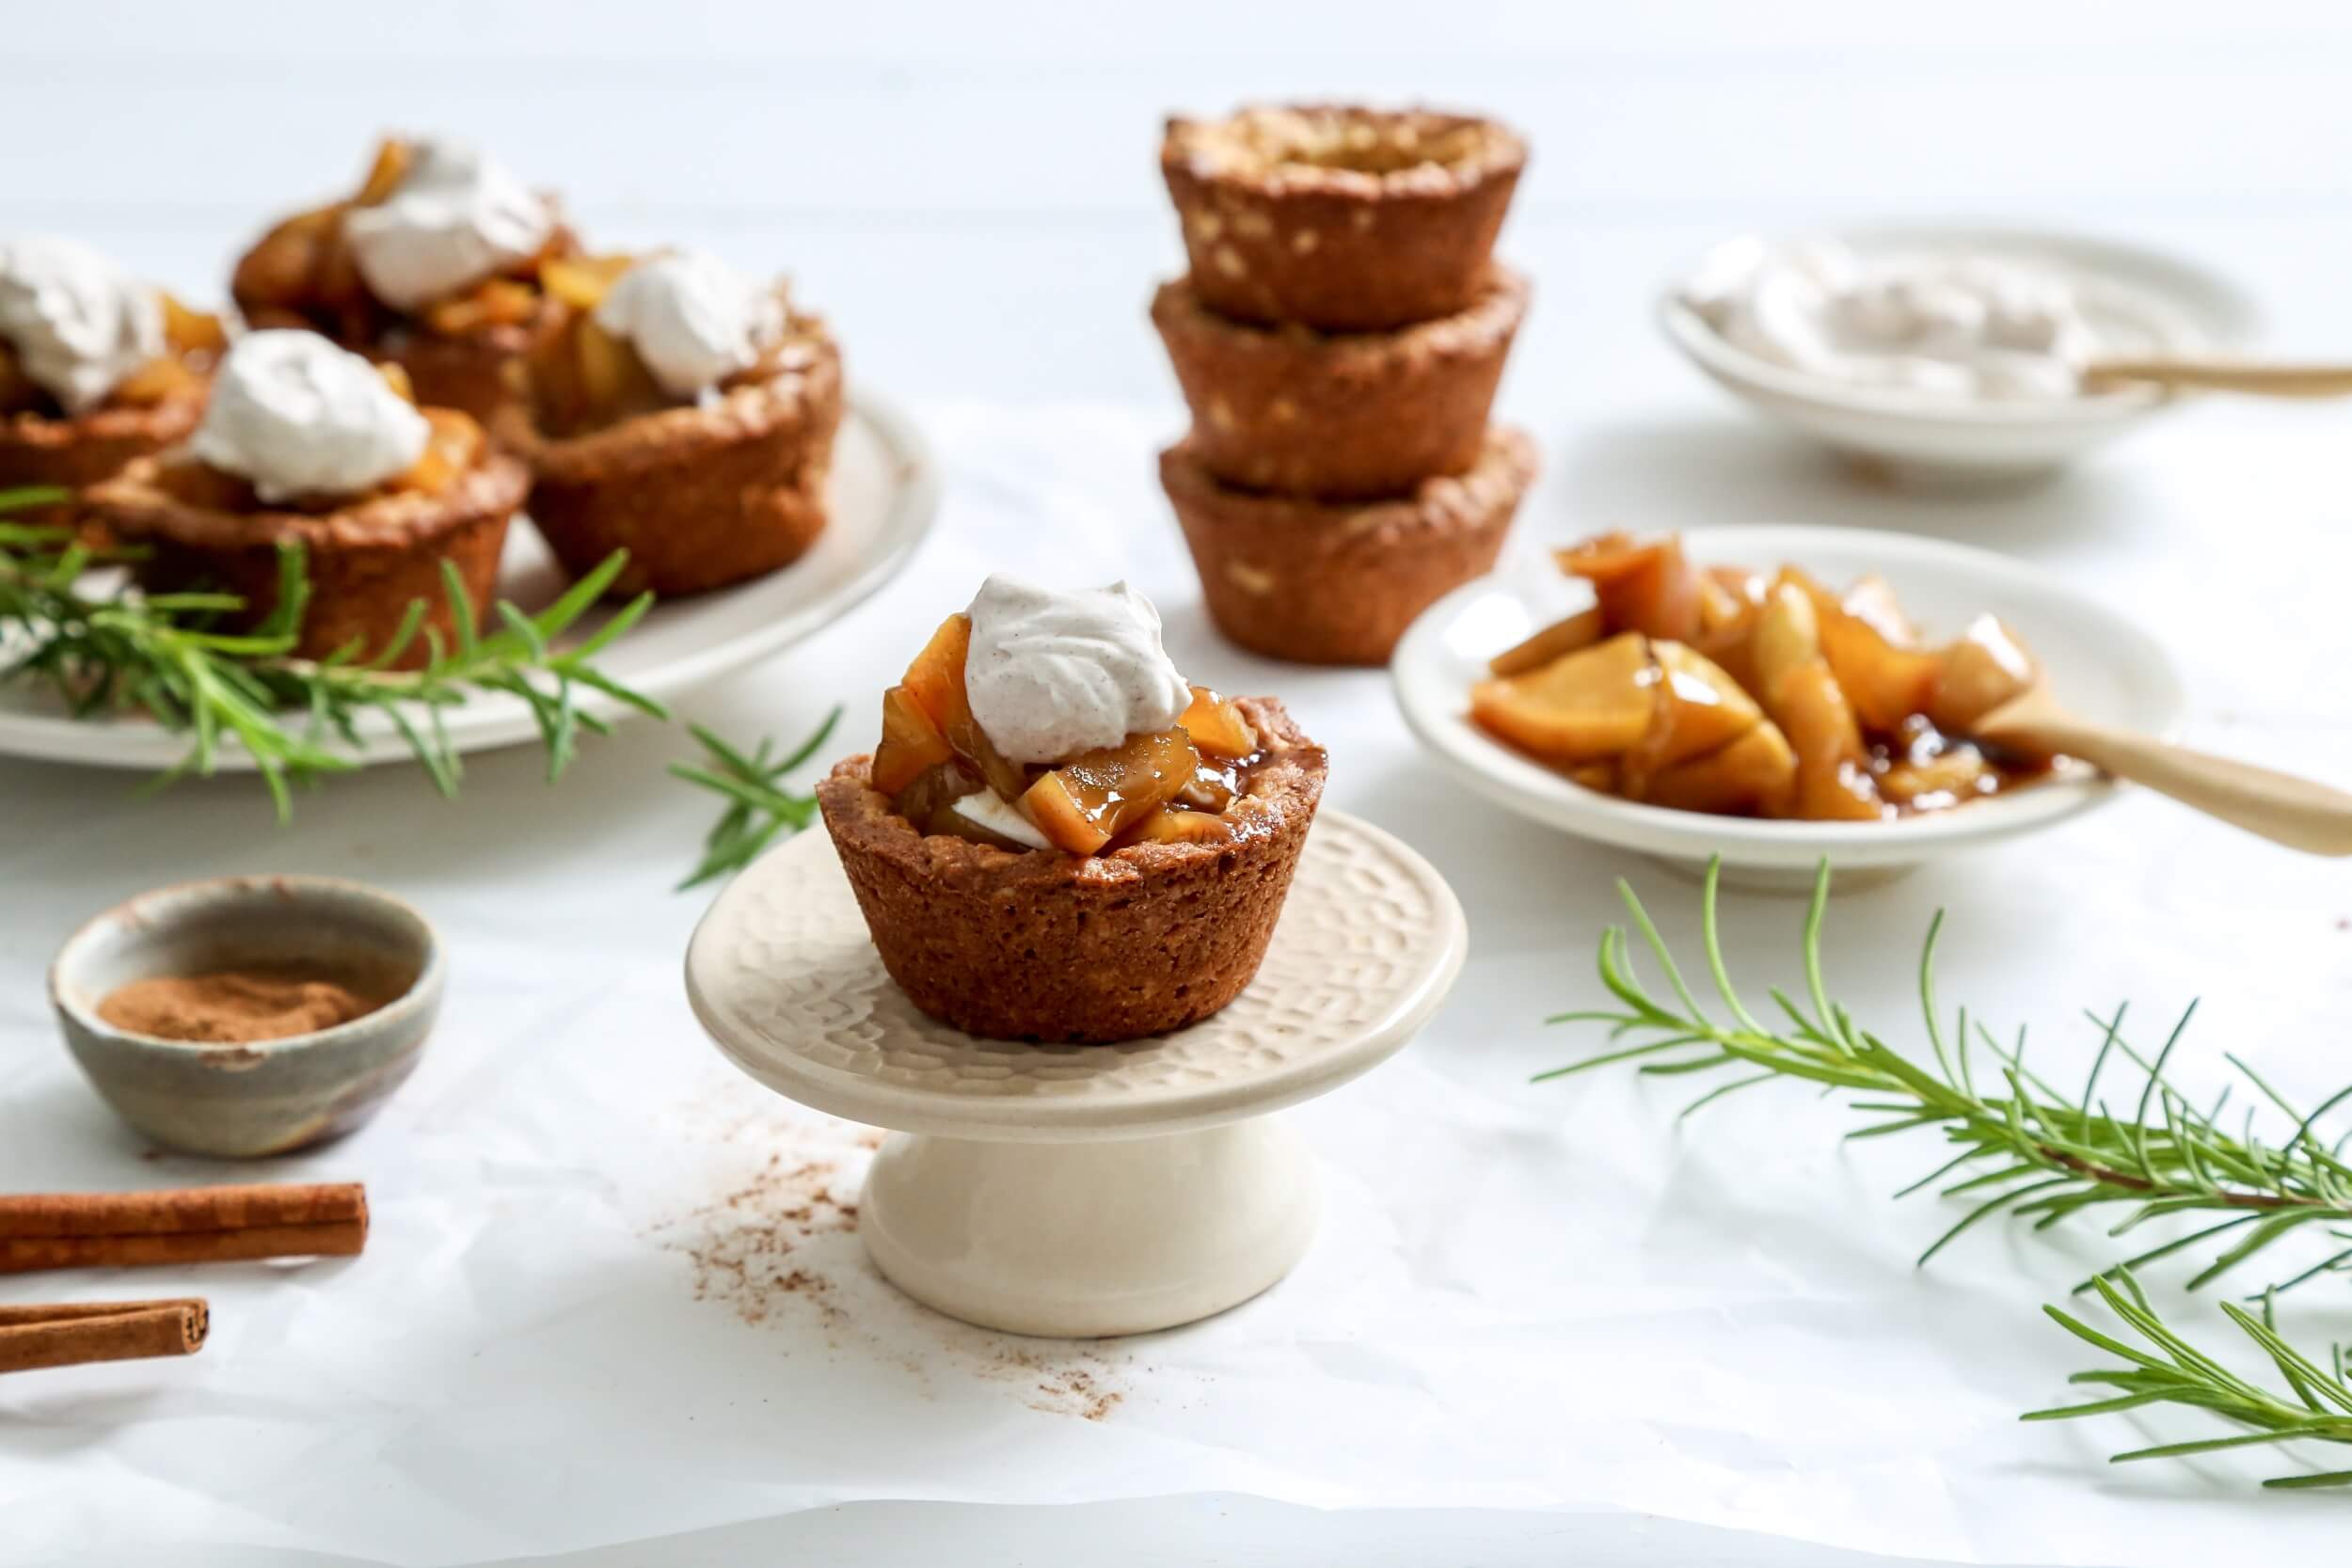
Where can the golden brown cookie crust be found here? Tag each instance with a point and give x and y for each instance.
(700, 497)
(1338, 416)
(1075, 949)
(366, 562)
(1340, 217)
(1337, 583)
(35, 449)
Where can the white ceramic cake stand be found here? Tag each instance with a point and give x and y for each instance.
(1081, 1189)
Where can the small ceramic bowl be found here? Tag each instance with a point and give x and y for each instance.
(2101, 663)
(268, 1097)
(1937, 441)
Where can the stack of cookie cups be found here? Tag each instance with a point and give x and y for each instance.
(1339, 338)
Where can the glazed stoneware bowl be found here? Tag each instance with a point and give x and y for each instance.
(1942, 443)
(268, 1097)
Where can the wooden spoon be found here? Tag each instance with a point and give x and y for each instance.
(2300, 814)
(2261, 378)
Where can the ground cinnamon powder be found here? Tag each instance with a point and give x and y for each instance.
(232, 1006)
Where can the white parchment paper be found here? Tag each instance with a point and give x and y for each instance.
(615, 1293)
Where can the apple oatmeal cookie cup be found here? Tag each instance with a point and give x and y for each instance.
(461, 351)
(701, 496)
(1080, 949)
(367, 561)
(1340, 217)
(1325, 583)
(1338, 416)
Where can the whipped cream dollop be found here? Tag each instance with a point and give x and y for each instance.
(75, 320)
(692, 319)
(297, 416)
(1955, 326)
(455, 218)
(1054, 672)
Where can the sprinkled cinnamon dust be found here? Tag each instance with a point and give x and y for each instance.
(778, 1248)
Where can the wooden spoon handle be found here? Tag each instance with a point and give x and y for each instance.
(2226, 375)
(2301, 814)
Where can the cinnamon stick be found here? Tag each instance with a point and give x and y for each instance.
(72, 1333)
(184, 1225)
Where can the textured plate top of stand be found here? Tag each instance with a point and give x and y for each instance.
(786, 978)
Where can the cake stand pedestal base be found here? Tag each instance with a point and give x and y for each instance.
(1080, 1239)
(1081, 1189)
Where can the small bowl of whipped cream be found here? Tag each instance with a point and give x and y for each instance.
(1946, 353)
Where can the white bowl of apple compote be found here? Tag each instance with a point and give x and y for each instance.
(1773, 696)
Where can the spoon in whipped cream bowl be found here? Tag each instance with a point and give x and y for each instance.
(2254, 377)
(1950, 352)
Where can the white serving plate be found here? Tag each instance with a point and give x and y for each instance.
(2100, 663)
(1935, 440)
(883, 492)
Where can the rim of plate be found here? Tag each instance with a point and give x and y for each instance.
(1427, 676)
(498, 719)
(2222, 313)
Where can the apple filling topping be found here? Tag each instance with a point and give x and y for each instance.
(583, 378)
(192, 340)
(1724, 690)
(1171, 786)
(302, 273)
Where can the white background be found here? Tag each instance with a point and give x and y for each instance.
(969, 192)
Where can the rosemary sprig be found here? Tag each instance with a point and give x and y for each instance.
(2019, 1146)
(2317, 1406)
(759, 808)
(163, 655)
(2051, 1156)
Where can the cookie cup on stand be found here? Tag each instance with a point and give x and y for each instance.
(1337, 582)
(1071, 949)
(1338, 416)
(367, 561)
(1341, 218)
(701, 496)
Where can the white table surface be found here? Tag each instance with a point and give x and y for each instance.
(969, 192)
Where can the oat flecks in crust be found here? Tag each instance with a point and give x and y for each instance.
(1321, 582)
(1340, 414)
(1338, 217)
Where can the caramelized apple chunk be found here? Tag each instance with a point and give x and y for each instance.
(1170, 825)
(1986, 667)
(1593, 703)
(1700, 708)
(452, 449)
(935, 680)
(1088, 801)
(910, 746)
(1751, 777)
(1580, 630)
(1216, 726)
(1642, 587)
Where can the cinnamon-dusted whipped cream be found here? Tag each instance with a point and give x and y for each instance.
(299, 417)
(1055, 672)
(692, 319)
(75, 320)
(458, 217)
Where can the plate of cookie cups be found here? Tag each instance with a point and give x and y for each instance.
(2102, 664)
(880, 492)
